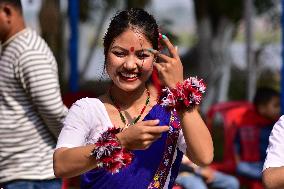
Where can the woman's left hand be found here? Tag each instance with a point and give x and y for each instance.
(170, 70)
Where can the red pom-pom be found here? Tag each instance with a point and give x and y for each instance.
(109, 153)
(185, 95)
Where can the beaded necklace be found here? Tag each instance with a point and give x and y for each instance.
(122, 117)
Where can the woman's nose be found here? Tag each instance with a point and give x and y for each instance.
(130, 63)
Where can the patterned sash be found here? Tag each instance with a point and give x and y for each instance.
(161, 175)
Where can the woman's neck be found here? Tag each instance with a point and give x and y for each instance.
(127, 99)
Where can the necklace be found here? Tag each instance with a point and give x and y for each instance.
(122, 117)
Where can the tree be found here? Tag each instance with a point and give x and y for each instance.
(217, 23)
(50, 19)
(136, 3)
(86, 8)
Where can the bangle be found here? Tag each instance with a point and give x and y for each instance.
(187, 94)
(109, 153)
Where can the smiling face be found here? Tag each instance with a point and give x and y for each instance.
(128, 63)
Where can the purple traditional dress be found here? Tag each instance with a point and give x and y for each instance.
(153, 168)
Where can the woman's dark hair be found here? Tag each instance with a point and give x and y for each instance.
(135, 18)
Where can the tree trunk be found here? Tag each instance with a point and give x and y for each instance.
(251, 74)
(214, 59)
(92, 48)
(50, 19)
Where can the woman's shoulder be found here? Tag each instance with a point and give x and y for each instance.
(89, 104)
(85, 102)
(91, 108)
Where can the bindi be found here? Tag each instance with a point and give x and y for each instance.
(131, 49)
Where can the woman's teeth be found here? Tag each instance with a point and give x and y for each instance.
(129, 75)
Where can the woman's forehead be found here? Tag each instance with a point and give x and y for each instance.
(131, 37)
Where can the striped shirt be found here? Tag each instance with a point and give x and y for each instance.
(31, 108)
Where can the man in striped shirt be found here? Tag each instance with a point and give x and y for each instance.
(31, 108)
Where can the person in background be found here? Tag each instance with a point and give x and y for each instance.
(192, 176)
(253, 133)
(273, 169)
(31, 108)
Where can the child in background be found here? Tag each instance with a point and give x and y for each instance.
(253, 133)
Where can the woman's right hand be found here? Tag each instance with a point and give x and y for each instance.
(170, 69)
(141, 135)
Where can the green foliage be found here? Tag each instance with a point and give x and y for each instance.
(269, 79)
(232, 10)
(84, 10)
(87, 8)
(136, 3)
(262, 6)
(238, 84)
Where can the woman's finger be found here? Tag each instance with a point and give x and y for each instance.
(160, 67)
(160, 55)
(171, 48)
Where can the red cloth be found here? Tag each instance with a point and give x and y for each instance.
(249, 125)
(155, 80)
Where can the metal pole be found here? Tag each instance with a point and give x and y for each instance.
(251, 77)
(73, 14)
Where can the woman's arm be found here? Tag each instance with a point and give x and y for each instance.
(72, 156)
(273, 177)
(197, 137)
(71, 162)
(196, 133)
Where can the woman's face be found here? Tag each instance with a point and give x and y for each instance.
(129, 64)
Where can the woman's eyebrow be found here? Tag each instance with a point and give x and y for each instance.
(142, 50)
(119, 47)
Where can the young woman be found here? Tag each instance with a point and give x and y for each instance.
(124, 138)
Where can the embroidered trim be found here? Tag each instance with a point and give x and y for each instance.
(161, 175)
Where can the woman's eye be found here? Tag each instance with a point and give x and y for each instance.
(142, 55)
(119, 54)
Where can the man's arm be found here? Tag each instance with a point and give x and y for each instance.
(273, 174)
(273, 177)
(39, 77)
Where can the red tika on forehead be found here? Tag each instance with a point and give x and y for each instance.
(131, 49)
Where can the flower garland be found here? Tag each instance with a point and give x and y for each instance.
(187, 94)
(109, 153)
